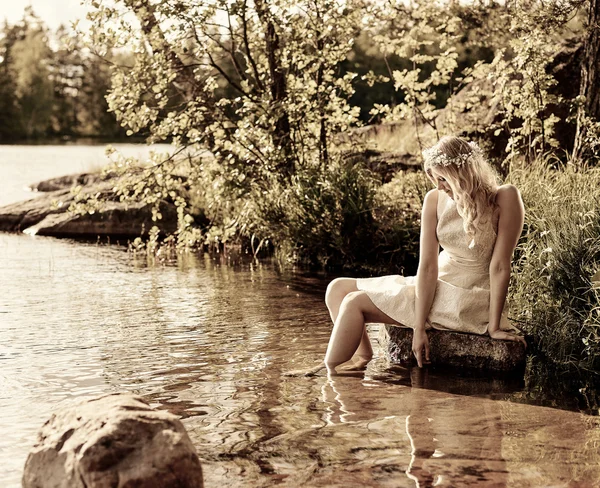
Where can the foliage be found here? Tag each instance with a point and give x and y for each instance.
(425, 35)
(280, 60)
(554, 293)
(31, 70)
(514, 45)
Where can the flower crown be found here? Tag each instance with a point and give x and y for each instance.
(434, 157)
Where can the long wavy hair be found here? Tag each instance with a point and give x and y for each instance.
(474, 184)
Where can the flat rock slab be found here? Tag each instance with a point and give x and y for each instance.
(115, 441)
(455, 349)
(49, 215)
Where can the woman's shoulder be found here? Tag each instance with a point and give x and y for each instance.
(431, 198)
(508, 195)
(509, 201)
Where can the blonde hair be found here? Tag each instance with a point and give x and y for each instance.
(474, 184)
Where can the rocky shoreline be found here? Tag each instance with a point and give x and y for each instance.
(48, 213)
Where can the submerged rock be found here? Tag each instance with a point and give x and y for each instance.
(455, 349)
(113, 440)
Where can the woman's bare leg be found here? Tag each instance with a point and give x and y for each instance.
(357, 343)
(337, 290)
(349, 328)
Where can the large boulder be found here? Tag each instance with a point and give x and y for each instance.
(113, 220)
(455, 350)
(114, 440)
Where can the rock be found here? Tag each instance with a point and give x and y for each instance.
(49, 215)
(21, 215)
(455, 349)
(114, 220)
(114, 440)
(69, 181)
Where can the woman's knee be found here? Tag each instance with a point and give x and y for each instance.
(338, 289)
(355, 300)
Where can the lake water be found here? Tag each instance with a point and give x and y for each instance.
(208, 338)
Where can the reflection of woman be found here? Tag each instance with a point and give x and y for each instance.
(436, 438)
(478, 223)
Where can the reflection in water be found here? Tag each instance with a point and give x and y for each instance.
(209, 341)
(435, 439)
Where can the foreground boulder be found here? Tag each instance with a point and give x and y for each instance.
(455, 349)
(115, 441)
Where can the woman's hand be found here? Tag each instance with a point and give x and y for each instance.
(507, 336)
(420, 342)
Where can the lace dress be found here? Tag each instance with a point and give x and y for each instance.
(462, 297)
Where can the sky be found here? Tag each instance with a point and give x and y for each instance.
(52, 12)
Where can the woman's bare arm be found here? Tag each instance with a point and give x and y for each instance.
(510, 225)
(426, 275)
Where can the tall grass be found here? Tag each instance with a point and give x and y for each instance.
(554, 295)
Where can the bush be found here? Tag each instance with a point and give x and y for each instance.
(337, 217)
(340, 217)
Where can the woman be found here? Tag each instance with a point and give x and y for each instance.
(477, 223)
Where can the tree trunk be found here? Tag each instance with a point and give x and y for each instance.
(278, 87)
(144, 11)
(590, 83)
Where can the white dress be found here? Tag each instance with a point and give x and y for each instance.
(462, 296)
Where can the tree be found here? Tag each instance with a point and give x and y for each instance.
(284, 57)
(587, 137)
(31, 59)
(256, 84)
(10, 122)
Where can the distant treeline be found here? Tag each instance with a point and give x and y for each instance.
(51, 86)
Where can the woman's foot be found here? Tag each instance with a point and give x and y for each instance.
(357, 363)
(306, 372)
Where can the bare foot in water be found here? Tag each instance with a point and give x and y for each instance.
(355, 365)
(306, 372)
(358, 363)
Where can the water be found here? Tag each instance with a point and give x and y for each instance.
(208, 339)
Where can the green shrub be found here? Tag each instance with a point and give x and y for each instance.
(337, 217)
(398, 218)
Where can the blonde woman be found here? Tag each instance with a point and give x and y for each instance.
(477, 222)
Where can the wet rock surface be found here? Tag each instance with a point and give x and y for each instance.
(455, 349)
(114, 440)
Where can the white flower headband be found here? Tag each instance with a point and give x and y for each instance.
(434, 157)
